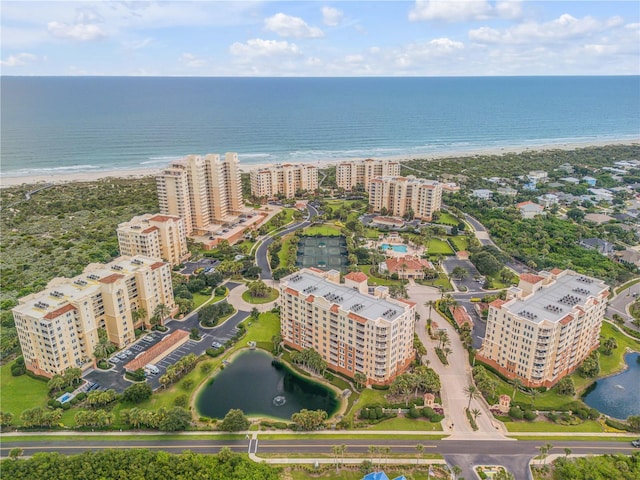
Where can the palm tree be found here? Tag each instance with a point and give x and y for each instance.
(420, 449)
(475, 413)
(517, 383)
(472, 393)
(102, 347)
(447, 351)
(138, 314)
(162, 312)
(456, 471)
(567, 451)
(443, 337)
(336, 451)
(430, 304)
(360, 379)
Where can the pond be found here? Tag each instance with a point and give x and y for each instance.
(252, 384)
(617, 396)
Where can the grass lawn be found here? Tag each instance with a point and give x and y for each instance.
(325, 230)
(200, 298)
(374, 280)
(587, 426)
(460, 242)
(283, 254)
(402, 423)
(21, 393)
(627, 285)
(266, 327)
(439, 247)
(441, 281)
(371, 233)
(447, 219)
(245, 246)
(615, 362)
(273, 294)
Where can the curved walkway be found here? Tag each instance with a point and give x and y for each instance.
(235, 298)
(454, 377)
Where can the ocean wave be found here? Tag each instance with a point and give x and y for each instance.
(52, 170)
(254, 155)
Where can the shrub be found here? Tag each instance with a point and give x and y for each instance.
(364, 414)
(187, 384)
(19, 361)
(380, 387)
(413, 412)
(529, 415)
(17, 370)
(66, 406)
(181, 401)
(428, 412)
(516, 413)
(81, 396)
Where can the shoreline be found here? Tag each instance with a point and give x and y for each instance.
(90, 176)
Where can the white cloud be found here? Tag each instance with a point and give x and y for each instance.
(331, 16)
(192, 61)
(257, 47)
(79, 31)
(458, 11)
(18, 59)
(354, 59)
(138, 44)
(560, 29)
(288, 26)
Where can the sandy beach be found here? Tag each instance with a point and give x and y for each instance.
(9, 181)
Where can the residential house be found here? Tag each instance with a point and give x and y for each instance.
(530, 209)
(602, 246)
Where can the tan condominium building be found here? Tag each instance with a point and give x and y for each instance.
(58, 327)
(546, 326)
(399, 196)
(352, 330)
(361, 172)
(203, 190)
(157, 236)
(283, 179)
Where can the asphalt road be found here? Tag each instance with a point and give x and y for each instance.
(262, 257)
(114, 378)
(515, 455)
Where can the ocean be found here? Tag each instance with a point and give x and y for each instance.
(55, 125)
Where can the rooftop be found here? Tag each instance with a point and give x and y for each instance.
(555, 301)
(61, 290)
(349, 299)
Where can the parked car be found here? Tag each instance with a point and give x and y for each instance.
(636, 443)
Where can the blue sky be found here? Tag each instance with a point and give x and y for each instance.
(318, 38)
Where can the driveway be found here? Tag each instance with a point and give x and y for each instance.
(114, 378)
(454, 377)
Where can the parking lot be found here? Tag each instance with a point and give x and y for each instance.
(114, 378)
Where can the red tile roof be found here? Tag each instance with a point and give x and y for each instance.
(461, 316)
(162, 218)
(60, 311)
(531, 278)
(114, 277)
(497, 303)
(150, 229)
(357, 276)
(412, 263)
(157, 265)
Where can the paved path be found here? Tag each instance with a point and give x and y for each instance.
(455, 376)
(235, 299)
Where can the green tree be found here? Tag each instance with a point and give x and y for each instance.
(161, 312)
(419, 450)
(137, 393)
(566, 387)
(360, 379)
(591, 365)
(309, 419)
(517, 383)
(472, 393)
(6, 418)
(15, 453)
(235, 421)
(103, 346)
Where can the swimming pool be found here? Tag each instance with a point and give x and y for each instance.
(395, 248)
